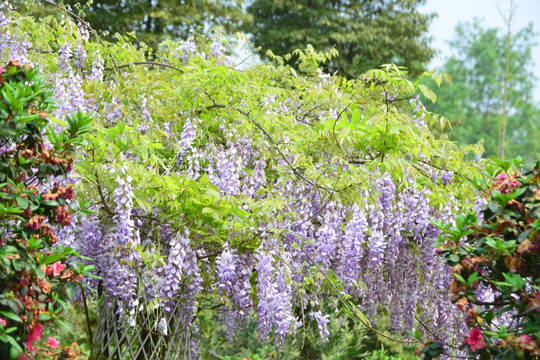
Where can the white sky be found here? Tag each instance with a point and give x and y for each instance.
(451, 12)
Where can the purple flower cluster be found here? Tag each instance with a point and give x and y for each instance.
(64, 57)
(172, 271)
(189, 133)
(274, 294)
(189, 47)
(419, 112)
(322, 324)
(12, 46)
(224, 170)
(233, 281)
(97, 68)
(80, 56)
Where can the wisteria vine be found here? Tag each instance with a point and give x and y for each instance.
(268, 190)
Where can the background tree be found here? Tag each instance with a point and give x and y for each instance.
(476, 99)
(153, 21)
(366, 33)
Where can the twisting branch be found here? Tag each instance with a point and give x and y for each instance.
(87, 315)
(108, 210)
(440, 168)
(150, 63)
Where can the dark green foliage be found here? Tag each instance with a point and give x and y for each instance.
(367, 34)
(35, 280)
(153, 21)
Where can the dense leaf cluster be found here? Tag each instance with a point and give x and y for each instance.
(34, 277)
(495, 261)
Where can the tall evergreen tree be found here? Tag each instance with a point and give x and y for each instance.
(476, 99)
(366, 33)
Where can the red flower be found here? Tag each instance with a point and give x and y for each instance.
(55, 269)
(475, 339)
(526, 339)
(52, 342)
(34, 335)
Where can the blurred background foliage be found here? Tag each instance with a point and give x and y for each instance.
(474, 102)
(366, 33)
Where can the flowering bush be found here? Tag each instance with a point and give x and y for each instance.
(262, 189)
(495, 259)
(34, 276)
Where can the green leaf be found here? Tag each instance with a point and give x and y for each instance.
(472, 278)
(427, 92)
(40, 273)
(460, 278)
(71, 290)
(52, 258)
(23, 202)
(15, 350)
(11, 316)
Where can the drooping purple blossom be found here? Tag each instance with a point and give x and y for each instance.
(97, 68)
(83, 30)
(186, 139)
(189, 47)
(65, 56)
(322, 324)
(217, 48)
(79, 56)
(419, 112)
(226, 272)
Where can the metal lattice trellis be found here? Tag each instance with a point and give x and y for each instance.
(115, 340)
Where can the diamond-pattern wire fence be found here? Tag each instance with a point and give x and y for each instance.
(117, 341)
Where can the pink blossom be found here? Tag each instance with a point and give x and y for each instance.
(526, 339)
(34, 335)
(55, 269)
(52, 342)
(475, 339)
(3, 322)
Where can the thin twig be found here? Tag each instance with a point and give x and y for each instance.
(334, 128)
(103, 200)
(272, 142)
